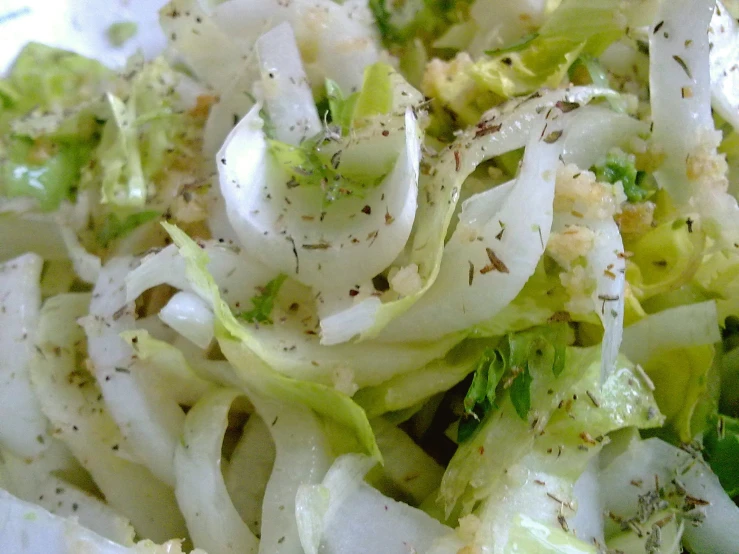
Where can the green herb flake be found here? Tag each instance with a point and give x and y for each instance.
(263, 303)
(520, 392)
(619, 166)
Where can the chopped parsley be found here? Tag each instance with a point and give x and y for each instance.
(263, 303)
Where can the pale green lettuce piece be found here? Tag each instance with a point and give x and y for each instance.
(478, 469)
(49, 79)
(576, 27)
(664, 258)
(145, 129)
(121, 32)
(408, 390)
(675, 348)
(29, 528)
(212, 519)
(565, 452)
(527, 535)
(169, 367)
(376, 95)
(241, 348)
(123, 180)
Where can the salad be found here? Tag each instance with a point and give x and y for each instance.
(374, 276)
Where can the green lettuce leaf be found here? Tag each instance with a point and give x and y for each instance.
(684, 391)
(571, 407)
(318, 162)
(402, 22)
(115, 227)
(575, 28)
(145, 132)
(665, 258)
(376, 95)
(341, 108)
(721, 443)
(411, 389)
(45, 169)
(239, 347)
(562, 452)
(47, 123)
(49, 79)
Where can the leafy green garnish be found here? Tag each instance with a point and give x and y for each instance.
(516, 362)
(307, 165)
(721, 443)
(114, 227)
(480, 398)
(341, 108)
(376, 95)
(619, 166)
(263, 303)
(730, 333)
(521, 392)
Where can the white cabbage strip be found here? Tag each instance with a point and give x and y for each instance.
(170, 371)
(489, 258)
(680, 89)
(357, 518)
(290, 229)
(594, 131)
(502, 130)
(606, 267)
(336, 40)
(191, 317)
(248, 471)
(27, 528)
(72, 401)
(287, 93)
(302, 458)
(679, 85)
(635, 472)
(208, 50)
(35, 484)
(22, 425)
(286, 346)
(724, 47)
(212, 519)
(149, 420)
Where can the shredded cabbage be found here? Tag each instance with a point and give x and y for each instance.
(319, 277)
